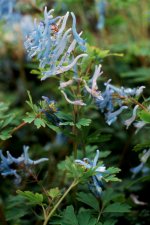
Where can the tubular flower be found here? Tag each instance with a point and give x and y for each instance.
(65, 84)
(7, 164)
(113, 101)
(76, 102)
(95, 185)
(129, 121)
(141, 167)
(94, 89)
(53, 44)
(77, 37)
(111, 117)
(139, 125)
(101, 11)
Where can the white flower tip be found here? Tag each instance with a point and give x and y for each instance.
(99, 66)
(84, 55)
(106, 83)
(100, 97)
(79, 102)
(43, 78)
(52, 10)
(101, 169)
(80, 33)
(97, 151)
(67, 14)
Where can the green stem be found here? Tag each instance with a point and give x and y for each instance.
(100, 213)
(74, 183)
(2, 216)
(44, 212)
(24, 123)
(75, 112)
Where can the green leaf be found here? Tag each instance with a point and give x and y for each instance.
(39, 123)
(3, 106)
(54, 128)
(64, 116)
(30, 102)
(6, 134)
(54, 192)
(8, 120)
(69, 217)
(112, 178)
(138, 181)
(35, 72)
(138, 75)
(66, 123)
(111, 195)
(117, 208)
(110, 222)
(95, 51)
(111, 175)
(30, 118)
(33, 106)
(83, 122)
(16, 213)
(112, 170)
(13, 211)
(85, 217)
(33, 198)
(142, 146)
(88, 199)
(98, 138)
(145, 116)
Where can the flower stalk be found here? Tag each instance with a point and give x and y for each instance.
(74, 183)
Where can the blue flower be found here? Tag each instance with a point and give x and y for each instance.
(111, 117)
(95, 184)
(77, 37)
(139, 125)
(129, 121)
(141, 167)
(7, 164)
(53, 44)
(5, 167)
(94, 89)
(101, 10)
(73, 102)
(6, 8)
(112, 104)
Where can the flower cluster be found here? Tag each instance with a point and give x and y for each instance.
(91, 89)
(113, 102)
(95, 185)
(53, 44)
(11, 166)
